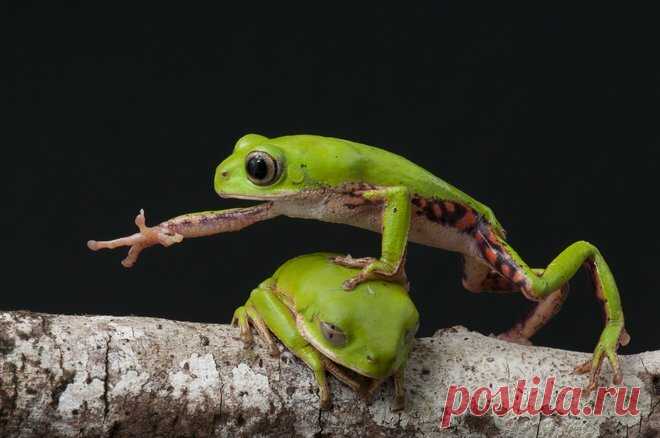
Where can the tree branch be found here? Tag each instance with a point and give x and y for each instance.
(102, 376)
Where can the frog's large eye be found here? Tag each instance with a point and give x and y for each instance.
(261, 168)
(333, 334)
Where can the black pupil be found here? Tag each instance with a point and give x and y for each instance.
(258, 167)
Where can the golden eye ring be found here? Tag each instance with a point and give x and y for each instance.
(261, 168)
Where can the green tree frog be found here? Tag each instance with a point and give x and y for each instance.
(369, 332)
(335, 180)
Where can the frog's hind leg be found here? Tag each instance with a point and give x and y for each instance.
(244, 317)
(262, 329)
(277, 317)
(479, 277)
(537, 285)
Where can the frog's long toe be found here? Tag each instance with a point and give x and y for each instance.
(262, 329)
(353, 282)
(372, 388)
(593, 367)
(399, 403)
(371, 269)
(350, 262)
(514, 337)
(325, 401)
(240, 320)
(146, 237)
(613, 336)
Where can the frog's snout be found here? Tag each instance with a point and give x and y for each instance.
(223, 174)
(380, 360)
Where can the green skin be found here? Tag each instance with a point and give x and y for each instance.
(374, 327)
(334, 180)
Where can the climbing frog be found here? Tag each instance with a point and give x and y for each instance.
(335, 180)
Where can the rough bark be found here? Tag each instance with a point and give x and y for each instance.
(102, 376)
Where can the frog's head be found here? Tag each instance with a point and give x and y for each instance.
(263, 169)
(369, 330)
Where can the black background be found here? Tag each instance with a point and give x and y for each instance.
(548, 115)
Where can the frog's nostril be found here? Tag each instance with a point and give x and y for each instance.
(224, 174)
(370, 358)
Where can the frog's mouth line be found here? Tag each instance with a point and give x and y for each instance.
(284, 195)
(307, 193)
(254, 198)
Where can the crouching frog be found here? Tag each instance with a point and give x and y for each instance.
(362, 338)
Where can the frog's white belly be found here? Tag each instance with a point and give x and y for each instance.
(351, 210)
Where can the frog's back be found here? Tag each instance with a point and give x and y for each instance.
(314, 280)
(369, 164)
(302, 276)
(379, 167)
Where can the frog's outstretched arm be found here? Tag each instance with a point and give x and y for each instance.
(185, 226)
(394, 228)
(539, 285)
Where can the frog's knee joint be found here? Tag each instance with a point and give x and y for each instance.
(472, 286)
(530, 293)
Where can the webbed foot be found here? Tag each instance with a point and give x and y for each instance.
(613, 335)
(244, 317)
(240, 320)
(399, 403)
(325, 400)
(368, 390)
(372, 269)
(514, 337)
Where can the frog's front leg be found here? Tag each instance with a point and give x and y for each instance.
(277, 317)
(188, 225)
(399, 390)
(399, 403)
(343, 377)
(394, 227)
(503, 259)
(241, 320)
